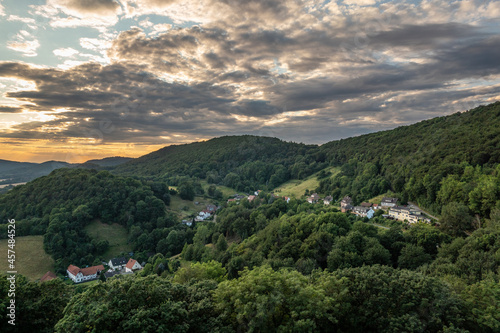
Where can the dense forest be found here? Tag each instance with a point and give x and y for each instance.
(268, 265)
(434, 162)
(308, 268)
(245, 163)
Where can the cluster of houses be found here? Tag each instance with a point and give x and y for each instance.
(365, 209)
(250, 198)
(315, 198)
(401, 213)
(116, 266)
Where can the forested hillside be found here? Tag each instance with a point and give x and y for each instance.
(434, 162)
(303, 268)
(244, 163)
(61, 204)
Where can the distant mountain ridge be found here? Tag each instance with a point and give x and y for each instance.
(16, 172)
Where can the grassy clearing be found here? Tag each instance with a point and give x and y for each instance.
(295, 188)
(185, 208)
(114, 233)
(378, 198)
(31, 259)
(226, 191)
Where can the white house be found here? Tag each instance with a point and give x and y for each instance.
(203, 215)
(78, 274)
(187, 222)
(132, 265)
(117, 263)
(328, 200)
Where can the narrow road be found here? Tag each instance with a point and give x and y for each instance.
(381, 226)
(423, 211)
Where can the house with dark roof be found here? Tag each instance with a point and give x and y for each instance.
(48, 276)
(328, 200)
(346, 204)
(388, 202)
(78, 274)
(110, 273)
(211, 208)
(117, 263)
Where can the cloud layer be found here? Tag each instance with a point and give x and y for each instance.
(306, 71)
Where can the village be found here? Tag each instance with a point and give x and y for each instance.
(407, 213)
(122, 266)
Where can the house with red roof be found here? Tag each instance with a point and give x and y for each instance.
(48, 276)
(132, 265)
(78, 274)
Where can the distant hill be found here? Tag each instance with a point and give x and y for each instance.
(17, 172)
(6, 166)
(109, 161)
(241, 162)
(24, 171)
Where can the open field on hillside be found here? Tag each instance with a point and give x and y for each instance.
(295, 188)
(31, 259)
(185, 208)
(114, 233)
(226, 191)
(378, 198)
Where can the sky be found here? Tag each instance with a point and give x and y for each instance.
(83, 79)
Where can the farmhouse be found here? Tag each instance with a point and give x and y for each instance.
(78, 274)
(313, 198)
(132, 265)
(328, 200)
(117, 263)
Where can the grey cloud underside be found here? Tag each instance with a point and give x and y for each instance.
(90, 6)
(141, 104)
(10, 109)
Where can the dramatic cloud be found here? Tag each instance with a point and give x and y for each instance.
(308, 71)
(87, 7)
